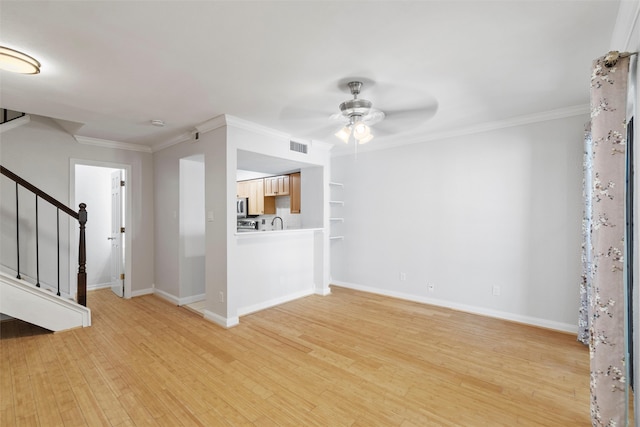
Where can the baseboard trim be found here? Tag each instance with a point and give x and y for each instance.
(191, 299)
(533, 321)
(167, 296)
(273, 302)
(323, 291)
(141, 292)
(98, 286)
(225, 322)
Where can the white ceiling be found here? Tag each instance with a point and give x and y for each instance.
(109, 67)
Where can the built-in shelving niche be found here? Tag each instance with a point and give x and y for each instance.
(336, 219)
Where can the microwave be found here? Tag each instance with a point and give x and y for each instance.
(242, 207)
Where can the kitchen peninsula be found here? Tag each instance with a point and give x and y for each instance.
(203, 257)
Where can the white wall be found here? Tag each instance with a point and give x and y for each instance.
(192, 228)
(500, 208)
(167, 220)
(93, 187)
(41, 152)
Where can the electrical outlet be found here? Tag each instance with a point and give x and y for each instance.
(221, 296)
(431, 288)
(403, 276)
(495, 290)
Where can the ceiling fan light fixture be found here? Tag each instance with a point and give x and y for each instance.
(365, 139)
(344, 134)
(361, 130)
(18, 62)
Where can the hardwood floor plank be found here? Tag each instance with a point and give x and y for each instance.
(347, 359)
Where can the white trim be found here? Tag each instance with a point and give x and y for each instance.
(254, 127)
(212, 124)
(560, 113)
(167, 296)
(274, 302)
(141, 292)
(187, 136)
(227, 120)
(225, 322)
(128, 219)
(105, 143)
(98, 286)
(15, 123)
(626, 21)
(174, 299)
(10, 272)
(51, 312)
(534, 321)
(323, 291)
(192, 299)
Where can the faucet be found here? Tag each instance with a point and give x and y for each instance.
(281, 222)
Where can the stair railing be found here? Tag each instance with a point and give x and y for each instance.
(80, 216)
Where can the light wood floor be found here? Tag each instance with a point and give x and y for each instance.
(347, 359)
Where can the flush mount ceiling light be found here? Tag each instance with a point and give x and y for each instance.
(359, 115)
(18, 62)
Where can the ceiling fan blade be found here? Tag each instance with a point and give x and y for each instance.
(400, 120)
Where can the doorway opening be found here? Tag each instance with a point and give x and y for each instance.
(192, 233)
(102, 186)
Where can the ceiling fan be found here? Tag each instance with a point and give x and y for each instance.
(403, 107)
(358, 115)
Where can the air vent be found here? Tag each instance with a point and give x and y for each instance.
(296, 146)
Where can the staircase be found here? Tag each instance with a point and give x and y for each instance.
(22, 300)
(30, 300)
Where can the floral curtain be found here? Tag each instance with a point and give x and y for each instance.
(602, 315)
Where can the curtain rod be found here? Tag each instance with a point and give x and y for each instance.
(611, 58)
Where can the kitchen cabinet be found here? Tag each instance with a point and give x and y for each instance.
(294, 187)
(258, 203)
(276, 186)
(243, 189)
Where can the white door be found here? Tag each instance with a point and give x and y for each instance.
(117, 233)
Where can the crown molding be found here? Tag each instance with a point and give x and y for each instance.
(105, 143)
(212, 124)
(228, 120)
(187, 136)
(253, 127)
(560, 113)
(15, 123)
(625, 26)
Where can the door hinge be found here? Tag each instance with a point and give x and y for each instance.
(122, 276)
(122, 229)
(121, 183)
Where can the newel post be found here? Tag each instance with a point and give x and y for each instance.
(82, 258)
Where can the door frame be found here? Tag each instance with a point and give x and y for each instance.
(73, 234)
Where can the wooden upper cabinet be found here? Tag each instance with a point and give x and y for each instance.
(262, 193)
(256, 197)
(276, 186)
(294, 179)
(244, 188)
(254, 190)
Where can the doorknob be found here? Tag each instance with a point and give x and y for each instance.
(111, 238)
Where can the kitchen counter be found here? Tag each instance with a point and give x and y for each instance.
(274, 232)
(272, 267)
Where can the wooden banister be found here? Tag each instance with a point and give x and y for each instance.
(81, 216)
(26, 184)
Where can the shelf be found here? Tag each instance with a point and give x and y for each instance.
(336, 184)
(336, 202)
(336, 238)
(336, 219)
